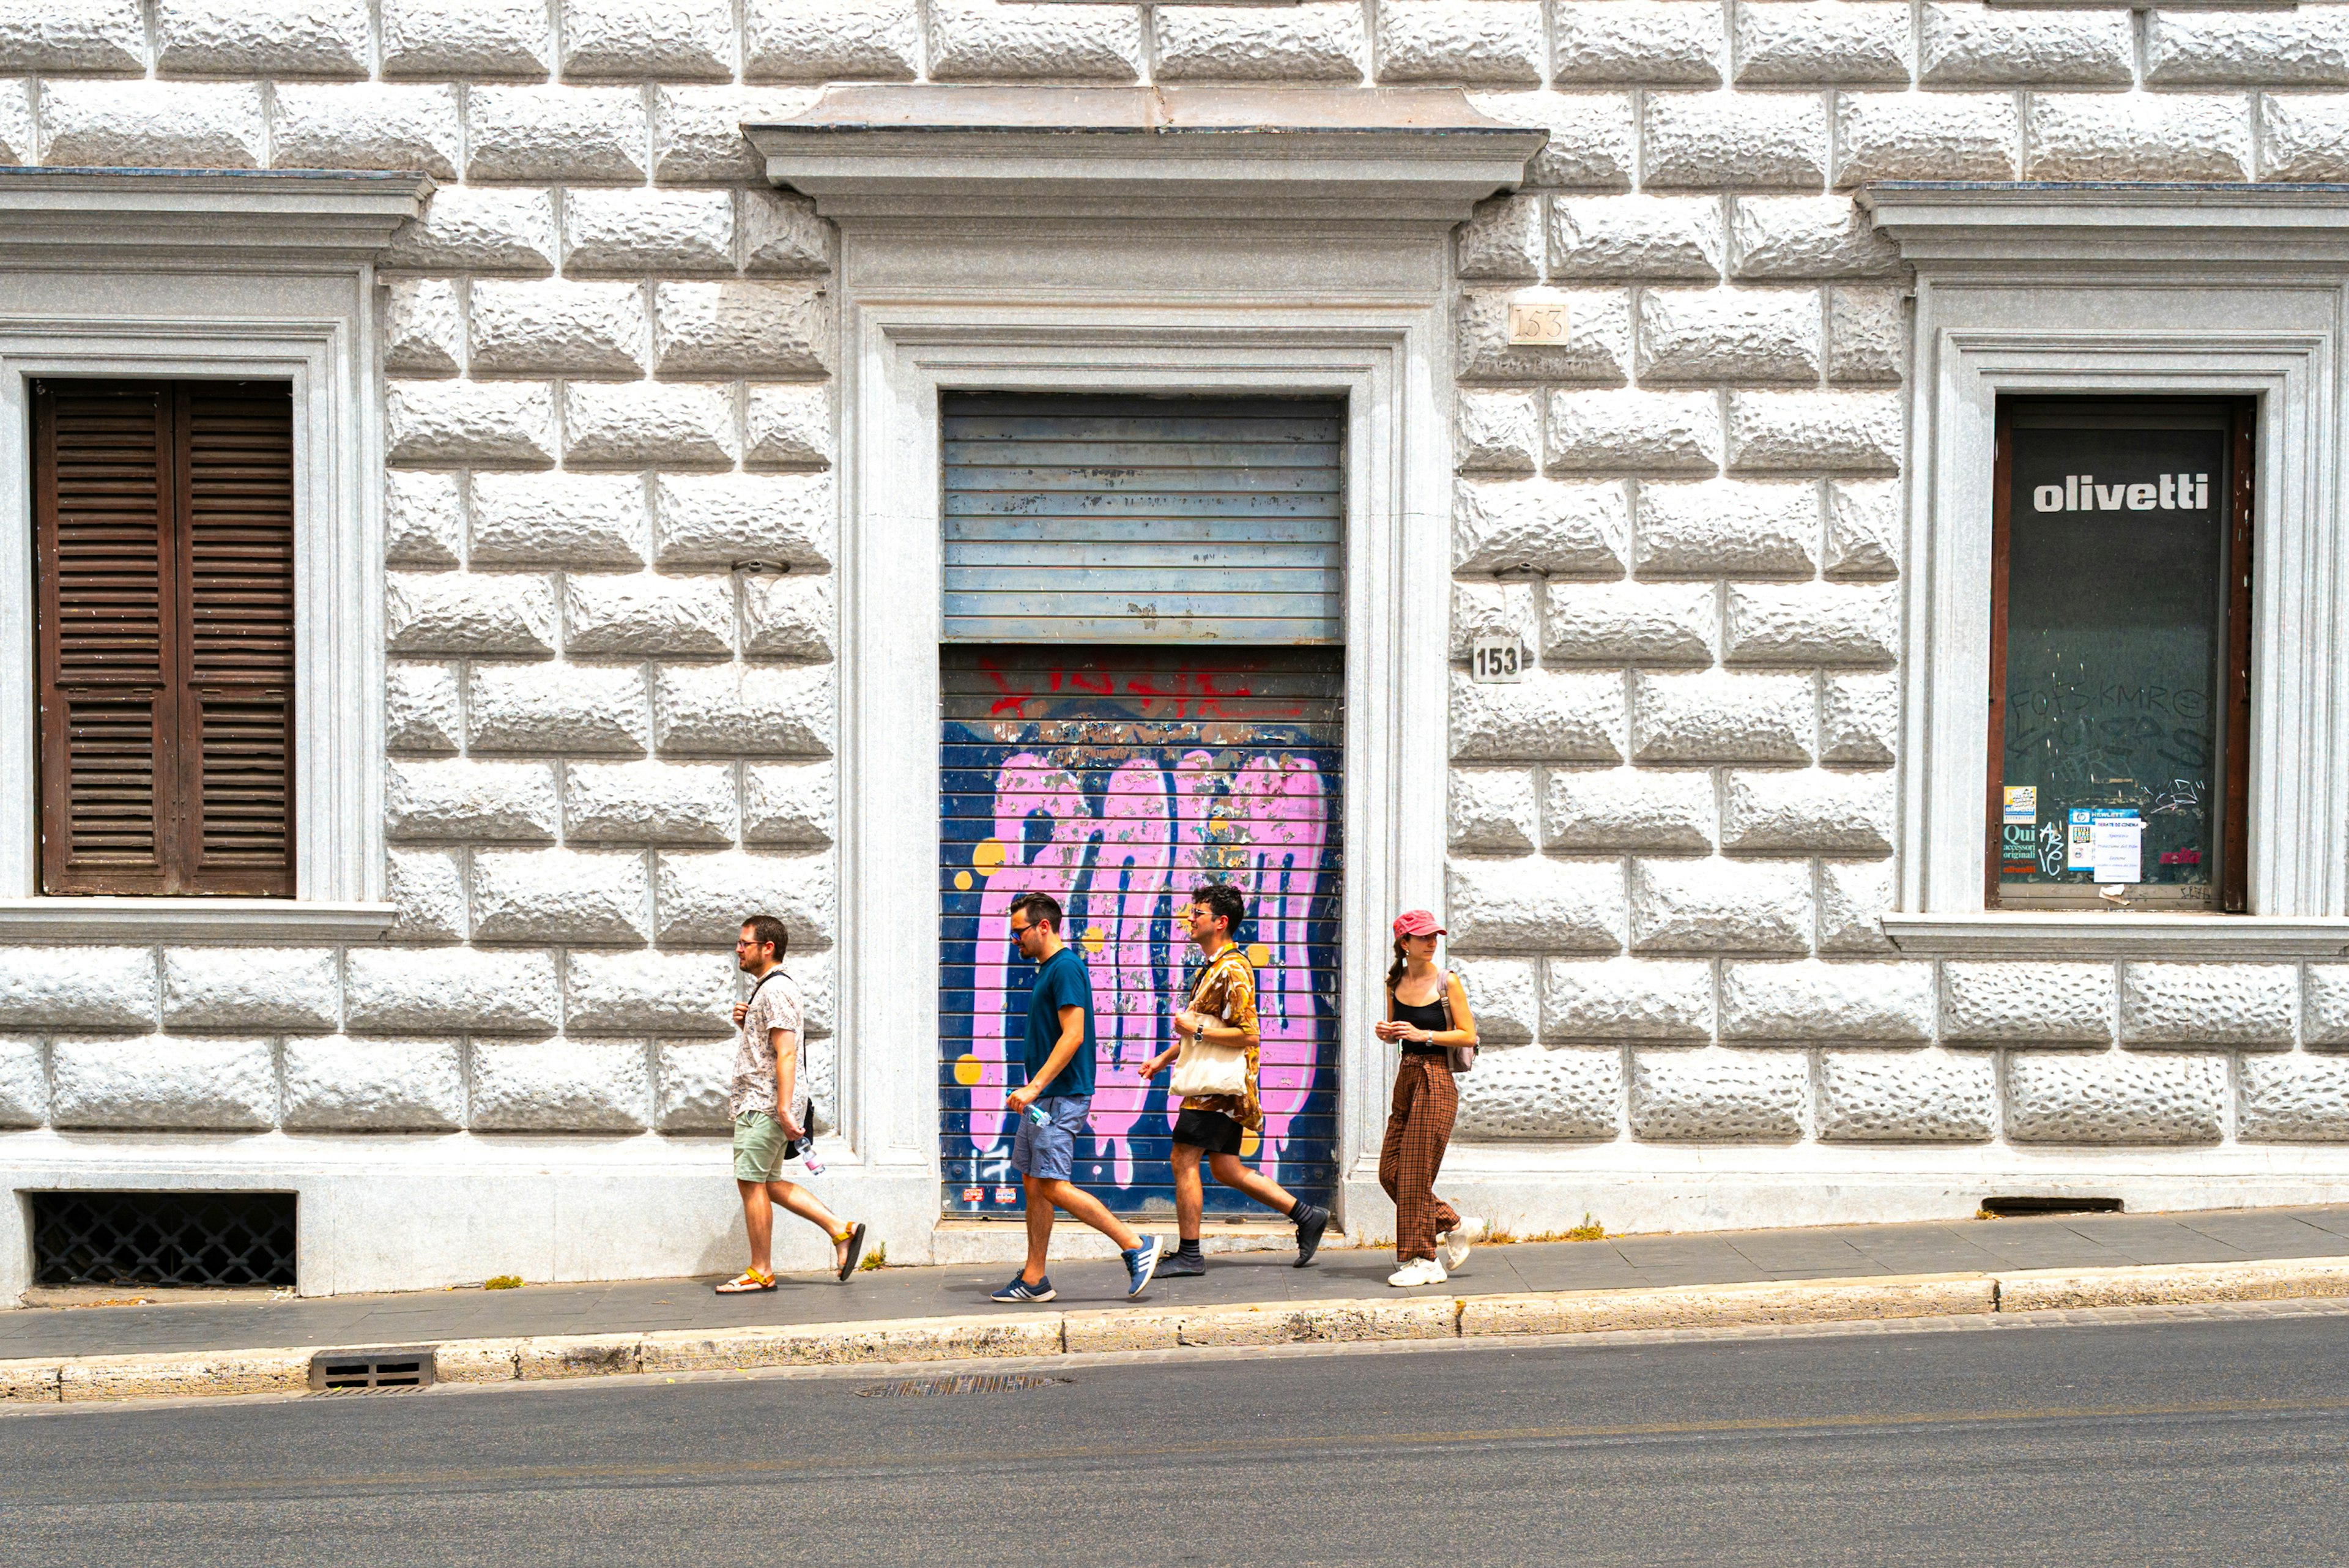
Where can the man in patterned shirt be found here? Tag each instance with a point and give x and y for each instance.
(1222, 1008)
(771, 1116)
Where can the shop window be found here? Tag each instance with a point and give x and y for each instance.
(2120, 654)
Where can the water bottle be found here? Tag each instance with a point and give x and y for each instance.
(802, 1147)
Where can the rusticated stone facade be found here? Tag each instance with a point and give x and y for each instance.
(608, 355)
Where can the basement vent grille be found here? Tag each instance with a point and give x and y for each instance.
(2017, 1208)
(360, 1371)
(968, 1382)
(162, 1238)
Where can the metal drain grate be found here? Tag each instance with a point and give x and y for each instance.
(162, 1238)
(968, 1382)
(365, 1371)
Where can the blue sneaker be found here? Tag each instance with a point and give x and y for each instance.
(1020, 1290)
(1141, 1262)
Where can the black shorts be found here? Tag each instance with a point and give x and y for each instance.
(1210, 1130)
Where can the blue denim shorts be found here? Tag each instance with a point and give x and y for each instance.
(1049, 1153)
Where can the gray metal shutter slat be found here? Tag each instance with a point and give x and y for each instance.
(1133, 519)
(1274, 557)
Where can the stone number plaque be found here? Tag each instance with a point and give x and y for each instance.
(1496, 659)
(1538, 323)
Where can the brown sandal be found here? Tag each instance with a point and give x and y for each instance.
(745, 1282)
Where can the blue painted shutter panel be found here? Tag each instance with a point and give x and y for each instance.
(1137, 519)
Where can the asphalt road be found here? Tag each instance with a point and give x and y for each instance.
(2212, 1441)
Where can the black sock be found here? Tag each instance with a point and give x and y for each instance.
(1188, 1250)
(1298, 1209)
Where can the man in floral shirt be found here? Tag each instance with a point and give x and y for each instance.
(1222, 1008)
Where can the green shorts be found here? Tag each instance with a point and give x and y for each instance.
(759, 1141)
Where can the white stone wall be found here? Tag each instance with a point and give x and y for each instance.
(1669, 845)
(607, 352)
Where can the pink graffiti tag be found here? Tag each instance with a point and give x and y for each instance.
(1027, 785)
(1287, 833)
(1130, 876)
(1264, 826)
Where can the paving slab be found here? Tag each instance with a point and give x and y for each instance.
(2258, 1233)
(1233, 1279)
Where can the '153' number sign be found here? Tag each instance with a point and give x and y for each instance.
(1492, 658)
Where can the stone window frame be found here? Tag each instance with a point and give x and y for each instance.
(2233, 291)
(165, 275)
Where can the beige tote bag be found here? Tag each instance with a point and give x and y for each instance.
(1210, 1066)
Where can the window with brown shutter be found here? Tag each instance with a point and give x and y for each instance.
(163, 533)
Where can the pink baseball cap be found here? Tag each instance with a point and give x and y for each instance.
(1417, 923)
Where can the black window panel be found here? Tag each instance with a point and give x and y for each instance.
(2116, 648)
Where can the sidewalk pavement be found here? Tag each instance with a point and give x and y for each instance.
(1837, 1252)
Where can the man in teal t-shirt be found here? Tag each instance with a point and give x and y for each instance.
(1050, 1108)
(1061, 982)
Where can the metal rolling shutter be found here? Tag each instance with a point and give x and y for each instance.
(164, 535)
(1141, 519)
(1117, 779)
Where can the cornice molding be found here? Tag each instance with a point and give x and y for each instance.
(1234, 154)
(218, 218)
(2025, 228)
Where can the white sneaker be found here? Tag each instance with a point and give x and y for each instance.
(1454, 1244)
(1418, 1272)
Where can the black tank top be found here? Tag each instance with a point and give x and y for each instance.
(1432, 1017)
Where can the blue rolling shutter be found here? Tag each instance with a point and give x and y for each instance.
(1118, 779)
(1142, 519)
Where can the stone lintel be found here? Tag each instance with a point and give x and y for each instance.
(276, 217)
(1404, 154)
(2141, 226)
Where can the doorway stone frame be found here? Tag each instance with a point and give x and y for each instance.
(1114, 266)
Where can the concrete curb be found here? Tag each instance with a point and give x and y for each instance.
(71, 1379)
(2172, 1284)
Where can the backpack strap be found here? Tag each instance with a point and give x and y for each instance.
(801, 1034)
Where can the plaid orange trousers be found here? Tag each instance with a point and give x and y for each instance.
(1419, 1124)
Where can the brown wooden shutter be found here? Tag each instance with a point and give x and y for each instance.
(163, 525)
(102, 525)
(236, 738)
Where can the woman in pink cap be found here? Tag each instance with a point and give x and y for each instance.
(1428, 1016)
